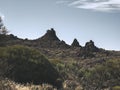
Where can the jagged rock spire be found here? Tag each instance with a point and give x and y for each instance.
(50, 40)
(50, 35)
(75, 43)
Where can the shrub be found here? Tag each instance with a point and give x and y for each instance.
(28, 65)
(102, 76)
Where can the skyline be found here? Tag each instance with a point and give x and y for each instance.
(31, 19)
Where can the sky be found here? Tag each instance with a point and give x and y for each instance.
(97, 20)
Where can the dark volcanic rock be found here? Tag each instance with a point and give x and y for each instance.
(6, 40)
(50, 35)
(75, 43)
(90, 47)
(50, 40)
(88, 50)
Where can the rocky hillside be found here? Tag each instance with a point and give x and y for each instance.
(51, 46)
(50, 40)
(71, 67)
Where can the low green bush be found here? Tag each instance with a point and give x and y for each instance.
(28, 65)
(102, 76)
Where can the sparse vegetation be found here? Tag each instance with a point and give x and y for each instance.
(50, 65)
(10, 85)
(106, 75)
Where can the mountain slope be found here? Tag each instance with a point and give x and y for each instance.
(79, 67)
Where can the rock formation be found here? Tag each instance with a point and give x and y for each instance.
(90, 47)
(50, 40)
(50, 36)
(75, 43)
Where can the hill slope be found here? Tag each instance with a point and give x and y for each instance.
(26, 65)
(74, 64)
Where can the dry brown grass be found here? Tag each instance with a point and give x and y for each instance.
(10, 85)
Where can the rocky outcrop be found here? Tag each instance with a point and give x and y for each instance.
(50, 36)
(75, 43)
(90, 47)
(88, 50)
(50, 40)
(6, 40)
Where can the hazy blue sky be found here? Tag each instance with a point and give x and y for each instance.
(98, 20)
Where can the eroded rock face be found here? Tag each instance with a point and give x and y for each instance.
(75, 43)
(89, 46)
(50, 35)
(90, 43)
(50, 40)
(88, 50)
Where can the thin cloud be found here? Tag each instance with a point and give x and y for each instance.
(98, 5)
